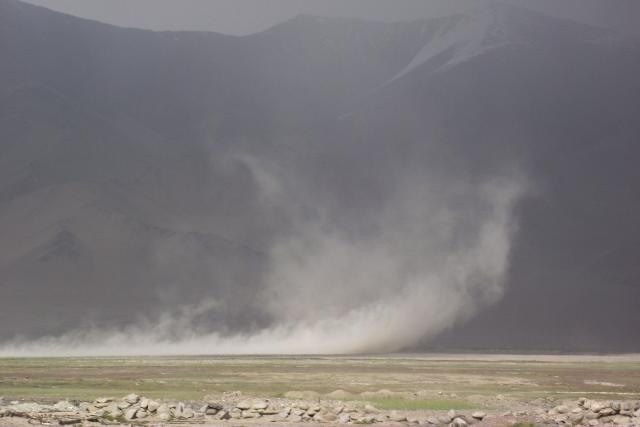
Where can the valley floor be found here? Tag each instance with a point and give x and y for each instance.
(401, 389)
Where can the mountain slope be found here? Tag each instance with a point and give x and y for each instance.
(142, 172)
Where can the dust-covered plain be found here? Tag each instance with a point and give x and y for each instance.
(401, 382)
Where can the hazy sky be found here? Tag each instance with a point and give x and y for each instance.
(249, 16)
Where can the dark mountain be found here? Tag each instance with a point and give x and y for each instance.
(137, 168)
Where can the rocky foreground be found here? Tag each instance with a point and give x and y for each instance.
(136, 410)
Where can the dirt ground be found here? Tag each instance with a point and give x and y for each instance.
(416, 384)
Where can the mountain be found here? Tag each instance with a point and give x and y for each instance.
(142, 171)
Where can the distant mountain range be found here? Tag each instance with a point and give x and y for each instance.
(126, 185)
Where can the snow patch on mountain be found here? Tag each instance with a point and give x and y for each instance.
(463, 37)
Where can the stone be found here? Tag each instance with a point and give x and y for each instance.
(562, 409)
(370, 409)
(215, 405)
(432, 420)
(575, 419)
(163, 409)
(395, 416)
(131, 398)
(130, 414)
(188, 413)
(591, 415)
(250, 414)
(593, 422)
(104, 400)
(621, 420)
(597, 406)
(479, 415)
(114, 410)
(294, 418)
(123, 405)
(144, 402)
(607, 411)
(153, 406)
(326, 417)
(444, 419)
(165, 416)
(301, 405)
(27, 407)
(243, 405)
(260, 405)
(344, 418)
(64, 406)
(458, 422)
(223, 415)
(141, 413)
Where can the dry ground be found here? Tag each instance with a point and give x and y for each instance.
(423, 381)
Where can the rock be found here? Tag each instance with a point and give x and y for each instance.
(304, 406)
(103, 400)
(69, 421)
(593, 422)
(144, 402)
(344, 418)
(243, 405)
(452, 414)
(458, 422)
(597, 406)
(294, 418)
(188, 413)
(250, 414)
(607, 411)
(562, 409)
(223, 415)
(575, 419)
(131, 398)
(64, 406)
(26, 407)
(114, 410)
(479, 415)
(215, 405)
(395, 416)
(444, 419)
(260, 405)
(621, 420)
(123, 405)
(432, 420)
(152, 406)
(165, 416)
(325, 417)
(163, 409)
(591, 415)
(370, 409)
(141, 413)
(130, 414)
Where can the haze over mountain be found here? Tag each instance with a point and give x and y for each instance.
(327, 185)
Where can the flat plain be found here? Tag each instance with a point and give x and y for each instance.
(398, 381)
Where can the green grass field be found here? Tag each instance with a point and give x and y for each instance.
(414, 381)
